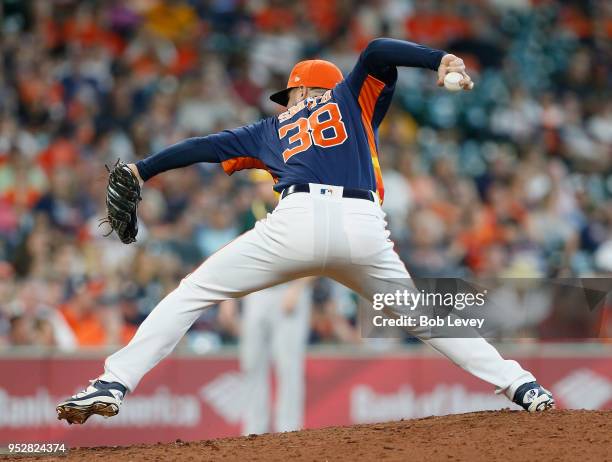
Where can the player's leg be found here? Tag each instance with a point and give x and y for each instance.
(289, 340)
(278, 249)
(274, 251)
(255, 352)
(374, 267)
(473, 354)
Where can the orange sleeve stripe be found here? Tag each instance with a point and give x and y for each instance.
(370, 91)
(241, 163)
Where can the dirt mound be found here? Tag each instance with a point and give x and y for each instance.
(479, 436)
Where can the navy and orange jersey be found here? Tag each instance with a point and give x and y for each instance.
(331, 139)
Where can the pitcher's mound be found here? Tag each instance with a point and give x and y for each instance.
(480, 436)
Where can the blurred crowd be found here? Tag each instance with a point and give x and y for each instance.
(513, 179)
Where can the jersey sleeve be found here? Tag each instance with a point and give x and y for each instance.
(239, 148)
(372, 94)
(372, 80)
(234, 149)
(382, 56)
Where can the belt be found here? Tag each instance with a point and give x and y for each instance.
(346, 192)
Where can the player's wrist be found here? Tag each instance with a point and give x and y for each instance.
(136, 172)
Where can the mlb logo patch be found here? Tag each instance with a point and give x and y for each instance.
(327, 191)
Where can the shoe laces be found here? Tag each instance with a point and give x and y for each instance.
(92, 389)
(88, 390)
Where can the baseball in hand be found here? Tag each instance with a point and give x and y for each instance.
(451, 81)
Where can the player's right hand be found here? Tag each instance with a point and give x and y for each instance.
(452, 63)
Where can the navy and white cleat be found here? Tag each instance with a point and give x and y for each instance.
(533, 397)
(101, 398)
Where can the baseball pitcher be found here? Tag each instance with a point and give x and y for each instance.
(323, 153)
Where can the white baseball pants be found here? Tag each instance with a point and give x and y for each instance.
(307, 234)
(272, 337)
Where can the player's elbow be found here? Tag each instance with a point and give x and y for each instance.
(376, 45)
(373, 56)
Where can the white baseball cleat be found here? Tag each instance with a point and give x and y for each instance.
(533, 397)
(101, 398)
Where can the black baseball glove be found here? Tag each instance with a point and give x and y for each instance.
(122, 197)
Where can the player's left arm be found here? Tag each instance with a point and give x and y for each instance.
(233, 149)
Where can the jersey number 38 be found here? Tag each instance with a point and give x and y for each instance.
(324, 128)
